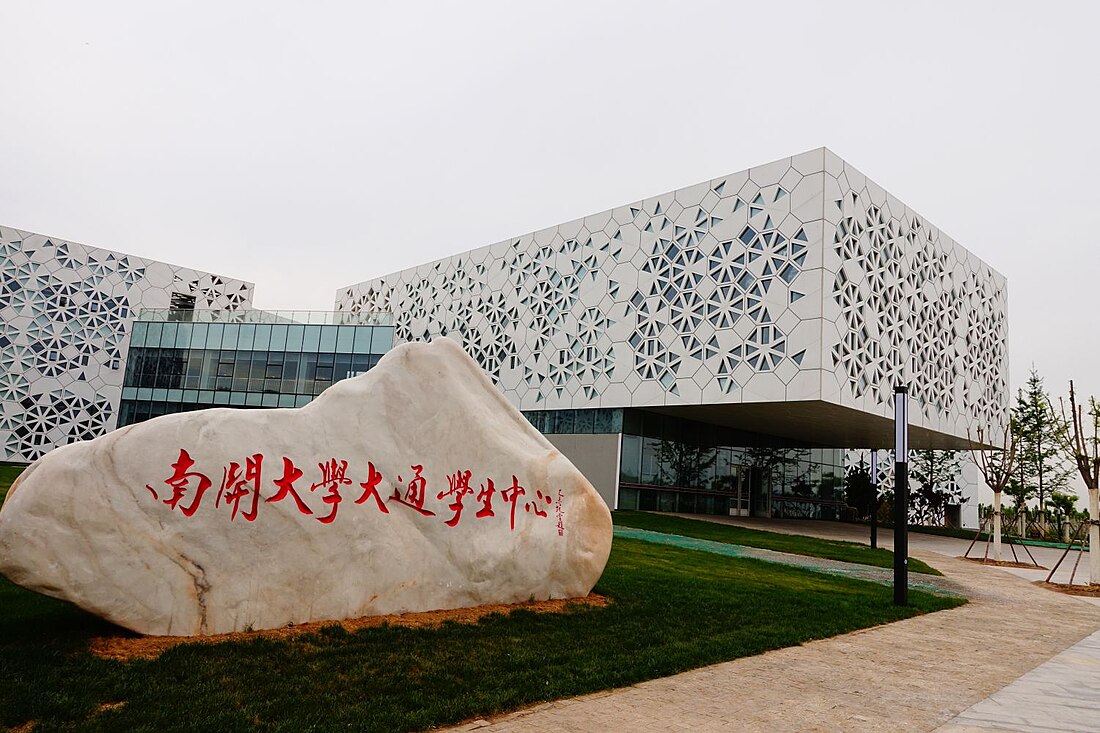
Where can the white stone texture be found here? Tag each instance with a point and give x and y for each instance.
(94, 522)
(65, 316)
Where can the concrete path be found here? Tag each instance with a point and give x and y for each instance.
(913, 675)
(950, 546)
(1059, 696)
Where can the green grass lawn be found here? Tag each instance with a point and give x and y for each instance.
(8, 474)
(672, 610)
(796, 544)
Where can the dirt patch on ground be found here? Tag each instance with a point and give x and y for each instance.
(124, 648)
(1004, 563)
(1090, 591)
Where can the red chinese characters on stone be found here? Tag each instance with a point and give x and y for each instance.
(291, 473)
(334, 474)
(459, 486)
(370, 488)
(181, 482)
(414, 492)
(485, 496)
(511, 495)
(560, 512)
(241, 488)
(236, 486)
(534, 506)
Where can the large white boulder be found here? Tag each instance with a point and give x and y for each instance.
(414, 487)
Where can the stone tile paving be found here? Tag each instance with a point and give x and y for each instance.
(883, 576)
(1062, 694)
(913, 675)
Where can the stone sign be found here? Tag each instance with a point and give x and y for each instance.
(414, 487)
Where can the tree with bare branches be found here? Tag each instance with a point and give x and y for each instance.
(996, 466)
(1080, 439)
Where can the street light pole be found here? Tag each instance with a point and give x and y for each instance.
(901, 496)
(874, 499)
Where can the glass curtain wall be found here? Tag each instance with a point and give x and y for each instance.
(672, 464)
(180, 366)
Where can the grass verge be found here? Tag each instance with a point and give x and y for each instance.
(795, 544)
(672, 610)
(8, 473)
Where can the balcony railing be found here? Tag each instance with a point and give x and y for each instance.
(322, 318)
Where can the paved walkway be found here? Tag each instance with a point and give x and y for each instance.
(1059, 696)
(950, 546)
(913, 675)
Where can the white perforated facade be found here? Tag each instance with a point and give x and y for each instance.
(799, 283)
(65, 314)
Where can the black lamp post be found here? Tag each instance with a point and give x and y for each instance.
(901, 496)
(874, 499)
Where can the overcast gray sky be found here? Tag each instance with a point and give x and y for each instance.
(309, 146)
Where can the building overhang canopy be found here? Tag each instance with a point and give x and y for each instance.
(817, 423)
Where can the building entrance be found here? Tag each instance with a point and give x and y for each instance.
(740, 494)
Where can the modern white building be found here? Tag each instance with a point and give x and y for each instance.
(773, 308)
(65, 315)
(722, 347)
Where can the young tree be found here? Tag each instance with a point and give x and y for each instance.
(934, 472)
(1064, 508)
(996, 468)
(1080, 439)
(1041, 461)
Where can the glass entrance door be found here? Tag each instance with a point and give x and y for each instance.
(739, 492)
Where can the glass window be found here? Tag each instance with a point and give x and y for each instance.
(563, 422)
(137, 334)
(241, 369)
(246, 337)
(286, 400)
(360, 363)
(632, 422)
(328, 339)
(381, 340)
(341, 367)
(628, 499)
(290, 366)
(651, 461)
(198, 335)
(263, 337)
(183, 336)
(312, 338)
(362, 339)
(631, 461)
(723, 470)
(294, 336)
(229, 336)
(584, 421)
(270, 400)
(345, 339)
(278, 336)
(153, 331)
(214, 335)
(616, 420)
